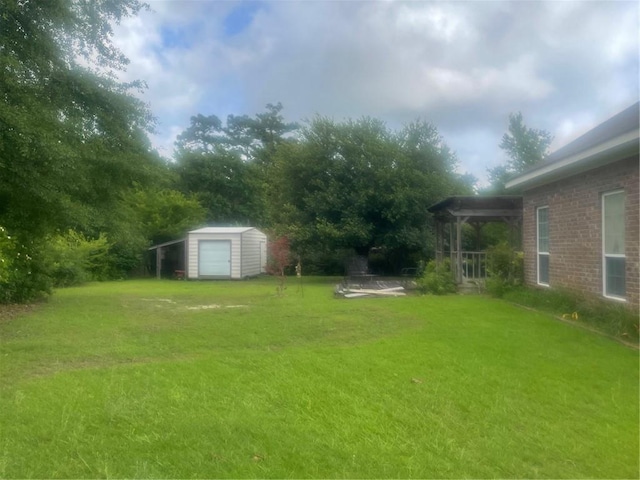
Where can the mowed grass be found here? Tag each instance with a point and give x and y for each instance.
(161, 379)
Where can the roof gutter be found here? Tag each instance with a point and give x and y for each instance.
(574, 163)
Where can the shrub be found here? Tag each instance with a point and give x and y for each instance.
(437, 278)
(24, 275)
(496, 286)
(324, 261)
(278, 259)
(505, 268)
(77, 259)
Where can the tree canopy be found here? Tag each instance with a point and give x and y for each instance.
(73, 139)
(71, 136)
(357, 185)
(524, 146)
(224, 164)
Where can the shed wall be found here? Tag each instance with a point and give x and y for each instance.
(575, 228)
(252, 261)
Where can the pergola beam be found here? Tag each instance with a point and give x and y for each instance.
(486, 212)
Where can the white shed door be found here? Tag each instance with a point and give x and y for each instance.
(214, 258)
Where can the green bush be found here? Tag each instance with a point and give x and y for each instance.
(505, 268)
(24, 274)
(437, 278)
(30, 268)
(77, 259)
(496, 286)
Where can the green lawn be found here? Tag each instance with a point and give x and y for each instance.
(159, 379)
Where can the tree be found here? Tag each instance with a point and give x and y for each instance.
(221, 183)
(252, 139)
(204, 135)
(357, 185)
(164, 214)
(72, 138)
(524, 146)
(278, 259)
(223, 164)
(270, 129)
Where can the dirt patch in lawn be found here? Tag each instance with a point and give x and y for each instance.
(11, 311)
(213, 306)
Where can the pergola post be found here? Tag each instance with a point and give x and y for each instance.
(458, 249)
(451, 244)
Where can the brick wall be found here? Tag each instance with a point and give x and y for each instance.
(575, 228)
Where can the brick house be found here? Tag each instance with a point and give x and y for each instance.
(581, 211)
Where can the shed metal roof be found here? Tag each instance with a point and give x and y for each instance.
(222, 230)
(229, 230)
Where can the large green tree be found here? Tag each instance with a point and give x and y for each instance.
(163, 214)
(71, 136)
(358, 185)
(73, 139)
(524, 146)
(223, 164)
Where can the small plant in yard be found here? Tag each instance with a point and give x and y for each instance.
(437, 278)
(278, 259)
(505, 267)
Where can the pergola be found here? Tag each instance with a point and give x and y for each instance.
(477, 211)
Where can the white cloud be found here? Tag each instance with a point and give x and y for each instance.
(516, 80)
(462, 65)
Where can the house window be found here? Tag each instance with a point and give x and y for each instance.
(614, 261)
(542, 214)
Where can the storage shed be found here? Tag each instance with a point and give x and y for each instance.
(215, 253)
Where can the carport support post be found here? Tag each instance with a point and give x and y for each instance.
(158, 262)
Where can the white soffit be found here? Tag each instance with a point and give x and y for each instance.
(573, 162)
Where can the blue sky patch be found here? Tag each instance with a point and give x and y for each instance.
(175, 37)
(241, 17)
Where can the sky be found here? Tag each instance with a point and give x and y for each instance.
(463, 66)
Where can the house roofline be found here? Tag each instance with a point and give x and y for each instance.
(607, 152)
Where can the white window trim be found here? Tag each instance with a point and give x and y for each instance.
(611, 255)
(538, 252)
